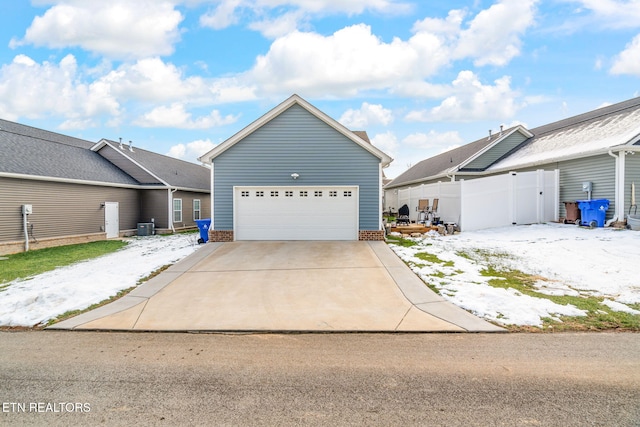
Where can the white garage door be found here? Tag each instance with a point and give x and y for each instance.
(296, 213)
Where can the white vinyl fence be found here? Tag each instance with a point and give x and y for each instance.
(494, 201)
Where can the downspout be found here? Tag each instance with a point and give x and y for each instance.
(26, 232)
(619, 187)
(170, 216)
(381, 199)
(211, 201)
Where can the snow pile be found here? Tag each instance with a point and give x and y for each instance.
(33, 301)
(569, 260)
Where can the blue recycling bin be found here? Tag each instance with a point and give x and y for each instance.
(203, 226)
(593, 212)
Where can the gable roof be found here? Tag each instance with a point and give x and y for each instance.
(586, 134)
(280, 108)
(152, 168)
(453, 160)
(609, 128)
(32, 152)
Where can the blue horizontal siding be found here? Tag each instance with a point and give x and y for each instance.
(296, 141)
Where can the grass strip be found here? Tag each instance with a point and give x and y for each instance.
(27, 264)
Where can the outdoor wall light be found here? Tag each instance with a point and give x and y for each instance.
(295, 175)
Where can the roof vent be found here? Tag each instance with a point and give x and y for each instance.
(489, 135)
(130, 146)
(501, 126)
(121, 147)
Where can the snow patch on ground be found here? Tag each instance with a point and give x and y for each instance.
(35, 300)
(569, 260)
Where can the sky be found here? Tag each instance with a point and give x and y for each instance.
(421, 77)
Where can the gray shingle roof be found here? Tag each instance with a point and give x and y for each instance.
(595, 130)
(591, 132)
(440, 164)
(26, 151)
(30, 151)
(175, 172)
(44, 135)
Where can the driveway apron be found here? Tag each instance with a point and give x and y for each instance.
(306, 286)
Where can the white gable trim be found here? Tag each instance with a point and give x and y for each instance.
(104, 142)
(279, 109)
(524, 131)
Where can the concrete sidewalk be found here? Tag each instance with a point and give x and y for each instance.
(284, 286)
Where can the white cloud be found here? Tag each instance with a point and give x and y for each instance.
(176, 116)
(471, 100)
(612, 13)
(116, 28)
(494, 35)
(344, 63)
(278, 26)
(443, 141)
(628, 61)
(353, 59)
(31, 89)
(153, 80)
(367, 115)
(387, 142)
(274, 18)
(191, 150)
(222, 16)
(79, 95)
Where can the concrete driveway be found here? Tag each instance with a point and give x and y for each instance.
(284, 286)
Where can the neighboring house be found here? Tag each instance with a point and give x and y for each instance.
(81, 191)
(596, 147)
(296, 174)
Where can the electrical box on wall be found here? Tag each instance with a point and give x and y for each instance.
(27, 209)
(587, 187)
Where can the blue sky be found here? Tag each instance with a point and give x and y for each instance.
(180, 76)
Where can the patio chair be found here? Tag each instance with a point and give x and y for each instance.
(423, 211)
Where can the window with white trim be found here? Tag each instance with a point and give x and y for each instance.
(333, 194)
(317, 193)
(288, 193)
(196, 209)
(303, 194)
(347, 193)
(177, 210)
(259, 193)
(244, 194)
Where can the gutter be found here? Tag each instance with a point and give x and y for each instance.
(96, 183)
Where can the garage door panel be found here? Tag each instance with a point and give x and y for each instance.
(296, 213)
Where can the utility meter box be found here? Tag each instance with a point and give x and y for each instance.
(587, 187)
(27, 209)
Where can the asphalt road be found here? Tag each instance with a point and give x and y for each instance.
(88, 378)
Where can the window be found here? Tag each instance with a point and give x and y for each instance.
(244, 194)
(317, 193)
(333, 194)
(288, 194)
(177, 210)
(196, 209)
(274, 194)
(303, 194)
(259, 193)
(347, 194)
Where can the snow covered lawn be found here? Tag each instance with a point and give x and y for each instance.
(563, 259)
(34, 301)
